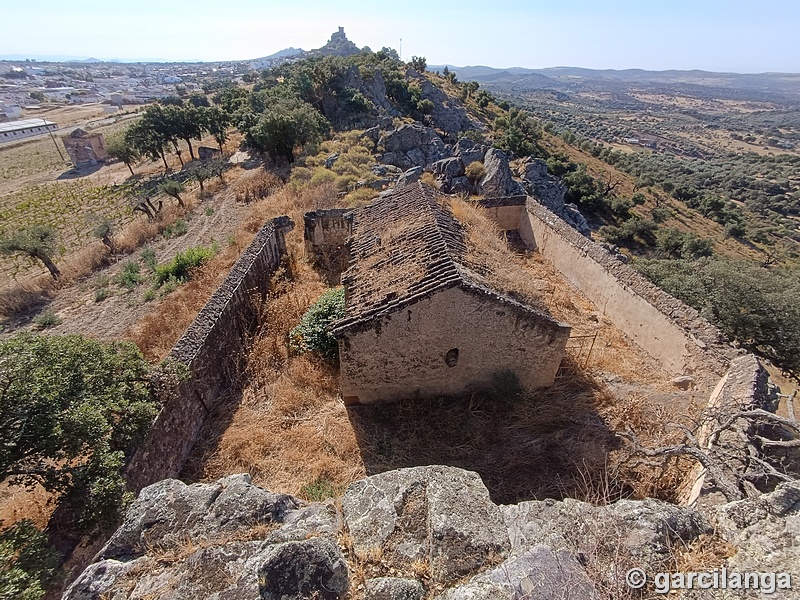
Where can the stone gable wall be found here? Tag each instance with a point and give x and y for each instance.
(450, 342)
(325, 234)
(212, 349)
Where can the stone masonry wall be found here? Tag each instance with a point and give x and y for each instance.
(663, 326)
(449, 343)
(325, 234)
(212, 349)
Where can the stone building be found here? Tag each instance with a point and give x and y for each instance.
(85, 149)
(419, 322)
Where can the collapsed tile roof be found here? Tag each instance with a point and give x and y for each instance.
(405, 246)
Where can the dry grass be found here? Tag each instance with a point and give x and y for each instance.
(256, 185)
(488, 255)
(156, 333)
(707, 552)
(30, 293)
(18, 503)
(288, 427)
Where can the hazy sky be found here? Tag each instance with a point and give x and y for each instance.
(720, 35)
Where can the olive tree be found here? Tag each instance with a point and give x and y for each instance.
(38, 242)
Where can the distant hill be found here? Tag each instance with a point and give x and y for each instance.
(286, 52)
(757, 86)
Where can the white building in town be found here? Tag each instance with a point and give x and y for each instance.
(16, 130)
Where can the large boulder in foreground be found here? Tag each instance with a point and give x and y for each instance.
(442, 516)
(422, 532)
(224, 540)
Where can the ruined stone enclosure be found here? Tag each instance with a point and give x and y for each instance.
(421, 321)
(290, 429)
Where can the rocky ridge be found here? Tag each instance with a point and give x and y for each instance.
(423, 532)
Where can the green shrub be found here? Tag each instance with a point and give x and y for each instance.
(621, 207)
(149, 258)
(177, 229)
(475, 171)
(180, 267)
(27, 564)
(506, 386)
(660, 214)
(149, 295)
(322, 175)
(313, 333)
(168, 287)
(129, 277)
(46, 318)
(101, 294)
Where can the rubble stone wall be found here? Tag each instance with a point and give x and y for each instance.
(450, 342)
(212, 349)
(325, 234)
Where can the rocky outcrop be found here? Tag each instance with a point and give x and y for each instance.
(225, 540)
(549, 191)
(469, 151)
(170, 512)
(440, 515)
(448, 114)
(765, 532)
(393, 588)
(411, 176)
(338, 108)
(498, 181)
(411, 534)
(411, 145)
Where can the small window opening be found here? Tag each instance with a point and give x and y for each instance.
(451, 358)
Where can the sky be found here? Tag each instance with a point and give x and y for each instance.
(715, 35)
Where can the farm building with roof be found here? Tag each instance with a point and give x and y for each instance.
(17, 130)
(419, 321)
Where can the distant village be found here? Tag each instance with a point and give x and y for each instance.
(29, 88)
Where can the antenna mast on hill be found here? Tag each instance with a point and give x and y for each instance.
(401, 48)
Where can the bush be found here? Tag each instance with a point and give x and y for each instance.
(313, 333)
(72, 410)
(475, 171)
(180, 267)
(27, 564)
(506, 386)
(149, 258)
(660, 214)
(425, 106)
(621, 207)
(45, 319)
(177, 229)
(101, 294)
(129, 277)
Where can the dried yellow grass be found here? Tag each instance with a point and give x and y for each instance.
(288, 427)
